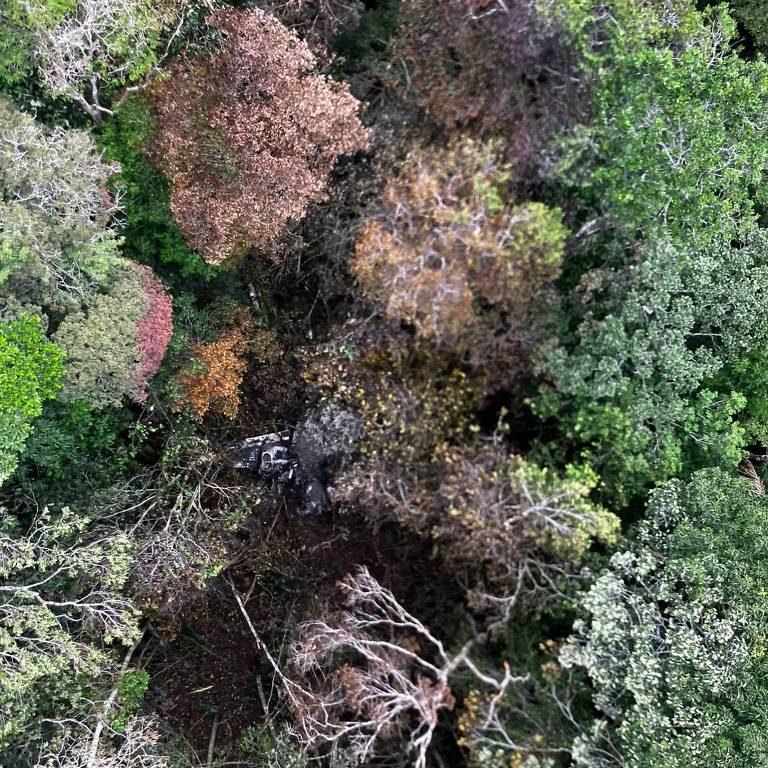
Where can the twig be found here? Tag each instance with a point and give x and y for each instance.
(265, 707)
(212, 740)
(288, 685)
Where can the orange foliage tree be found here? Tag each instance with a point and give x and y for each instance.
(249, 134)
(212, 378)
(216, 373)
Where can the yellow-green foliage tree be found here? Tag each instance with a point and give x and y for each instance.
(520, 523)
(30, 369)
(105, 343)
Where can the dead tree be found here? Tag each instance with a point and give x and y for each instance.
(138, 747)
(387, 698)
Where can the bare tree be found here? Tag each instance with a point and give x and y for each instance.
(56, 173)
(394, 686)
(138, 747)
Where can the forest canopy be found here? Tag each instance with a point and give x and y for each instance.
(383, 383)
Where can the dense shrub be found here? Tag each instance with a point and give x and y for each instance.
(249, 134)
(75, 449)
(365, 48)
(754, 15)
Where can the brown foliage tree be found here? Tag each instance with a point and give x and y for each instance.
(215, 374)
(248, 135)
(511, 527)
(447, 254)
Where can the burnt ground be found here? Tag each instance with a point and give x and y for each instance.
(285, 569)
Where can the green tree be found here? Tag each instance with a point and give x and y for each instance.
(61, 605)
(85, 49)
(15, 48)
(632, 391)
(30, 370)
(753, 14)
(100, 344)
(665, 178)
(672, 634)
(676, 138)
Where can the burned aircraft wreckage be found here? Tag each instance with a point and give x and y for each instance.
(298, 462)
(273, 458)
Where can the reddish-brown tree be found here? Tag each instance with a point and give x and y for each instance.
(154, 329)
(248, 135)
(490, 66)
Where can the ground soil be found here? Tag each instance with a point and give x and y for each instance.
(285, 569)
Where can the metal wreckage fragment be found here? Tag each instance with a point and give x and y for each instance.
(274, 459)
(297, 462)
